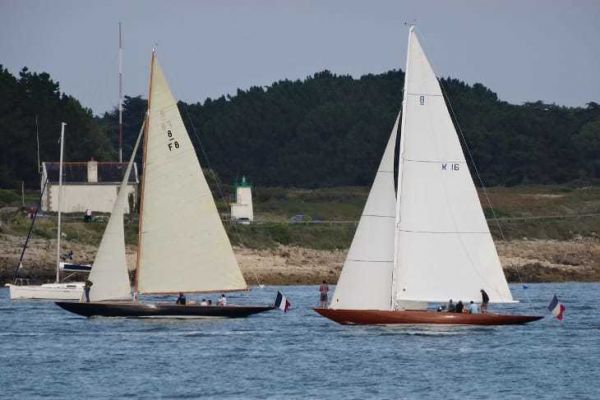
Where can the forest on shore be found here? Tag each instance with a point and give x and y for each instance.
(326, 130)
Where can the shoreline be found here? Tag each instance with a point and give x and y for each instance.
(523, 260)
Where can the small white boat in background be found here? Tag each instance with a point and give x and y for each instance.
(48, 291)
(58, 290)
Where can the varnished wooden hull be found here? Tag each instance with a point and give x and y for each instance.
(377, 317)
(159, 310)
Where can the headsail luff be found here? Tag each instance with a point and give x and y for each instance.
(183, 244)
(110, 274)
(365, 281)
(444, 246)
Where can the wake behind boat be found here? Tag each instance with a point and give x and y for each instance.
(182, 244)
(429, 242)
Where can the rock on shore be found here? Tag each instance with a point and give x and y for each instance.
(523, 260)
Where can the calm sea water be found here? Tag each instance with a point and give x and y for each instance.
(48, 353)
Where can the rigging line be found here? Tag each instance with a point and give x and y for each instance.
(548, 217)
(33, 218)
(483, 187)
(218, 182)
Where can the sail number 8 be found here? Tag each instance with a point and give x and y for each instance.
(173, 144)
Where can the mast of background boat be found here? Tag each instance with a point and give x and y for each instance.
(400, 170)
(141, 213)
(60, 171)
(120, 96)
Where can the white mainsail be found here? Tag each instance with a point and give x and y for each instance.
(110, 274)
(183, 245)
(366, 278)
(444, 249)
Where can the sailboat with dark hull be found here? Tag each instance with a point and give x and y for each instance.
(428, 242)
(158, 310)
(182, 244)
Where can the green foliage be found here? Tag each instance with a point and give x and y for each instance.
(31, 95)
(316, 236)
(8, 197)
(324, 131)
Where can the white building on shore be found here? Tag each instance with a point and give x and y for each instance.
(241, 209)
(86, 185)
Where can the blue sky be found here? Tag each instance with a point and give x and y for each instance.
(524, 50)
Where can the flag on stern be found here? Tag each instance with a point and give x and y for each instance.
(282, 302)
(556, 308)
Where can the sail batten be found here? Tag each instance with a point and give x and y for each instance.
(183, 244)
(444, 249)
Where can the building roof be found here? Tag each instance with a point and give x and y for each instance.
(77, 172)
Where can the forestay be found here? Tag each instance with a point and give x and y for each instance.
(366, 278)
(109, 275)
(444, 246)
(183, 244)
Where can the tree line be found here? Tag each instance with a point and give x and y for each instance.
(325, 130)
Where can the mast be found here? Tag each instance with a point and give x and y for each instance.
(400, 170)
(37, 138)
(120, 96)
(60, 172)
(141, 217)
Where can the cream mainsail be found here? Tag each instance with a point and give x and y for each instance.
(366, 278)
(443, 243)
(183, 246)
(110, 274)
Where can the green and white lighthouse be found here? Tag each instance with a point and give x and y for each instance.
(241, 208)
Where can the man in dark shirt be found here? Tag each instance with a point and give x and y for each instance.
(181, 299)
(86, 289)
(485, 299)
(459, 306)
(451, 306)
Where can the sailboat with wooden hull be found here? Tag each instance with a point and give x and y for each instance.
(182, 244)
(428, 241)
(412, 317)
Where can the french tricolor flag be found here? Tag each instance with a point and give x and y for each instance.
(557, 309)
(282, 302)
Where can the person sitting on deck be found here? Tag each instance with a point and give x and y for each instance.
(451, 306)
(459, 307)
(485, 299)
(181, 299)
(473, 308)
(222, 300)
(204, 302)
(209, 302)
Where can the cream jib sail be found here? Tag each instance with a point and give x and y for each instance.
(110, 274)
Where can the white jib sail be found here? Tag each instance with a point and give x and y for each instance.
(366, 279)
(110, 276)
(183, 244)
(444, 246)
